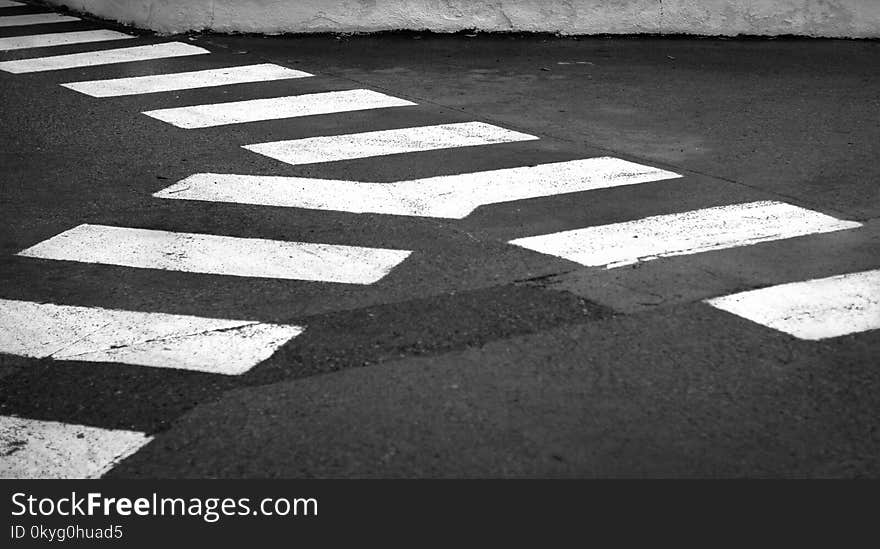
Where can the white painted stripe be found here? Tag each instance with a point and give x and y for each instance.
(221, 255)
(92, 334)
(35, 19)
(452, 196)
(9, 4)
(218, 114)
(684, 233)
(380, 143)
(33, 449)
(185, 80)
(104, 57)
(815, 309)
(60, 39)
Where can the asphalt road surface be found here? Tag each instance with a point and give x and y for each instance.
(436, 256)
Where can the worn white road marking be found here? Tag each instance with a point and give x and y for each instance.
(9, 4)
(34, 449)
(221, 255)
(684, 233)
(379, 143)
(814, 309)
(159, 340)
(452, 196)
(35, 19)
(60, 39)
(103, 57)
(185, 80)
(237, 112)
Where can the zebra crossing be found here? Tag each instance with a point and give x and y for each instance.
(684, 233)
(840, 305)
(386, 142)
(813, 309)
(34, 19)
(35, 449)
(103, 57)
(159, 340)
(448, 196)
(222, 255)
(227, 76)
(60, 39)
(276, 108)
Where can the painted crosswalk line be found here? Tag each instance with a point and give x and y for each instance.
(60, 39)
(452, 196)
(254, 110)
(219, 255)
(34, 449)
(158, 340)
(684, 233)
(103, 57)
(813, 309)
(380, 143)
(117, 87)
(35, 19)
(91, 334)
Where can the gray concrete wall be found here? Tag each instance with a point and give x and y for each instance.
(837, 18)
